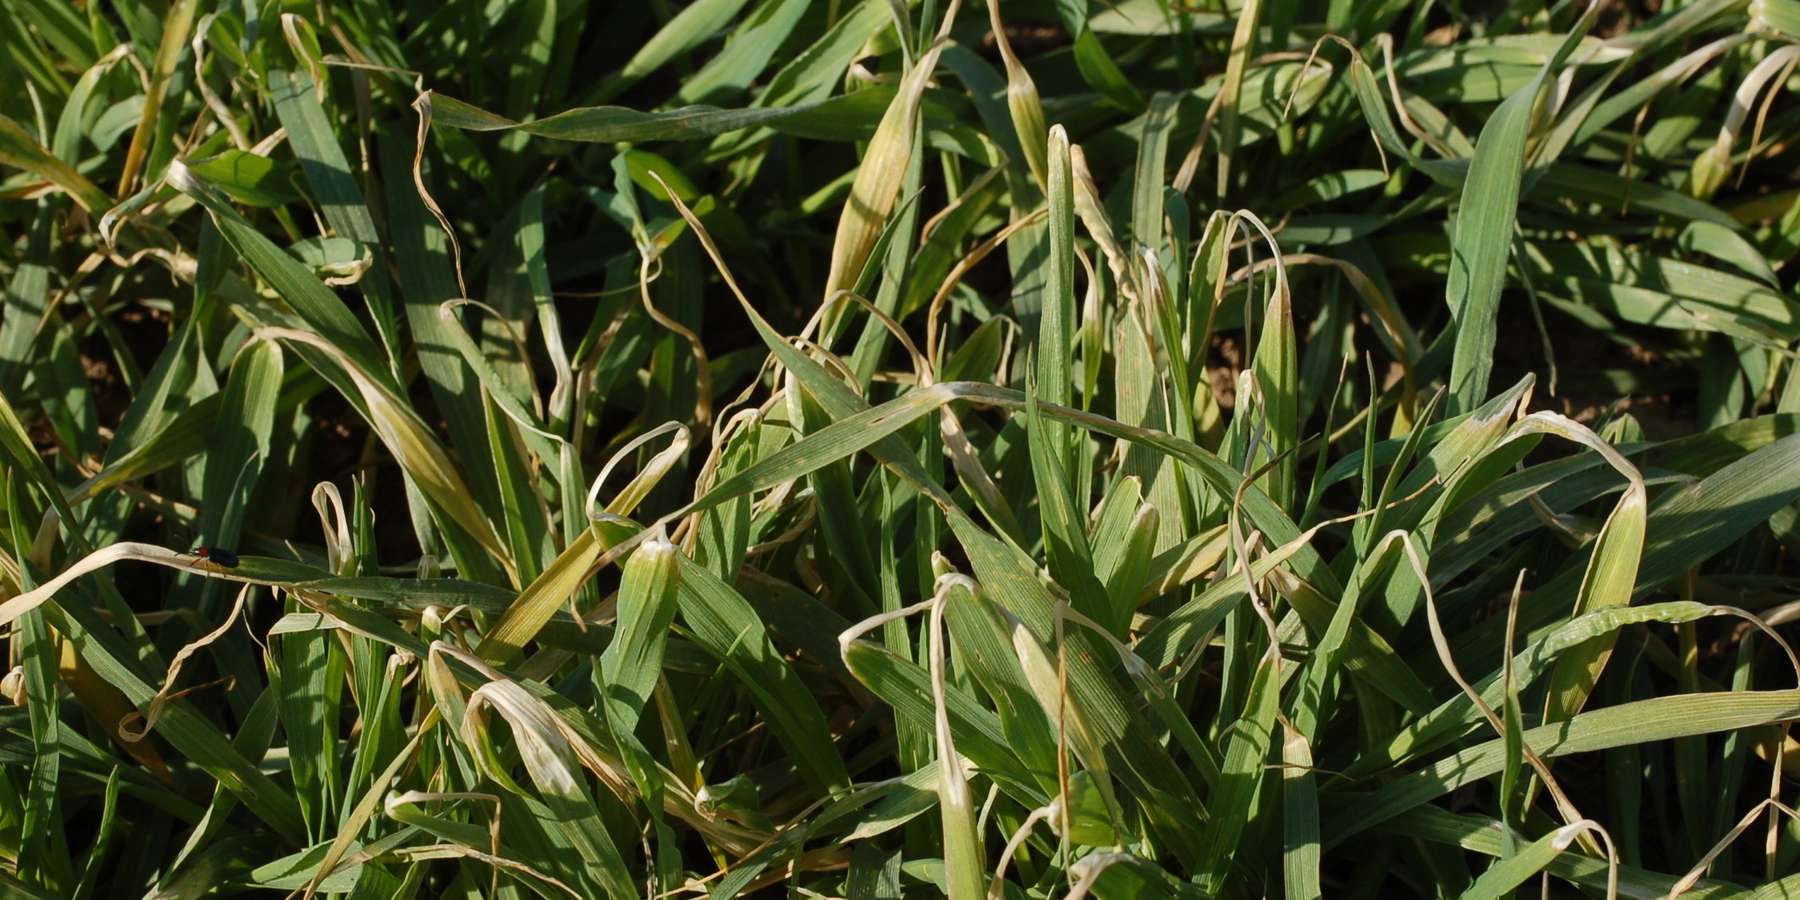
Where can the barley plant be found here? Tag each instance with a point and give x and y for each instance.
(899, 448)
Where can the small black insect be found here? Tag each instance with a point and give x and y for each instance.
(224, 558)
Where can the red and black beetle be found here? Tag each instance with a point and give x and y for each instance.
(224, 558)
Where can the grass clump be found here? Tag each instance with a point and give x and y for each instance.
(877, 450)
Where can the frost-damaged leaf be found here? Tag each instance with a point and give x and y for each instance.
(965, 864)
(414, 445)
(1611, 576)
(549, 760)
(878, 178)
(527, 614)
(315, 304)
(1684, 528)
(20, 150)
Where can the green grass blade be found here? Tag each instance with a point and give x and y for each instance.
(1482, 238)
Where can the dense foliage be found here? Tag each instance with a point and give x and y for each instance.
(867, 448)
